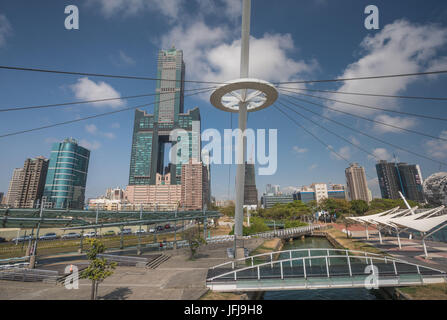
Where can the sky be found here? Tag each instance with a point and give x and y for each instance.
(290, 41)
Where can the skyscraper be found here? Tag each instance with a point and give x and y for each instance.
(389, 181)
(32, 182)
(194, 185)
(250, 191)
(151, 132)
(14, 188)
(357, 183)
(403, 177)
(67, 175)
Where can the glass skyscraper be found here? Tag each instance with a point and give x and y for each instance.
(151, 131)
(67, 175)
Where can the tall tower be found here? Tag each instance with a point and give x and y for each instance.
(14, 188)
(33, 182)
(67, 175)
(151, 131)
(388, 179)
(250, 191)
(357, 183)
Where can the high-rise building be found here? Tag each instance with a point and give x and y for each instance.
(67, 175)
(32, 182)
(14, 188)
(194, 187)
(389, 179)
(250, 191)
(320, 190)
(1, 197)
(357, 183)
(403, 177)
(412, 183)
(152, 132)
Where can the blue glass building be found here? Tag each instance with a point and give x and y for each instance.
(67, 175)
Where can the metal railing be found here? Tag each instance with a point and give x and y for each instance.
(303, 260)
(125, 260)
(28, 275)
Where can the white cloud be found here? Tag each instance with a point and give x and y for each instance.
(314, 166)
(402, 122)
(122, 59)
(438, 148)
(344, 152)
(5, 29)
(299, 150)
(87, 89)
(400, 47)
(93, 129)
(380, 154)
(211, 55)
(109, 8)
(91, 145)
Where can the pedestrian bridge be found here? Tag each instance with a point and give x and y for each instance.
(318, 268)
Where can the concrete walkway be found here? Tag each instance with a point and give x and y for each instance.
(176, 279)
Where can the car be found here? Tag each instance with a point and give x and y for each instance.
(90, 234)
(2, 239)
(22, 239)
(140, 231)
(126, 231)
(71, 235)
(48, 236)
(159, 228)
(151, 230)
(110, 233)
(168, 226)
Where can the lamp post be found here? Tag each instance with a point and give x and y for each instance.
(241, 96)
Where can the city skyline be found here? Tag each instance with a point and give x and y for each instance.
(208, 42)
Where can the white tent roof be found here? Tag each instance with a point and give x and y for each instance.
(423, 221)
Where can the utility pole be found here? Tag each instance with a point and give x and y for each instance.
(32, 262)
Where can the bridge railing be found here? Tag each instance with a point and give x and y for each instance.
(288, 231)
(270, 255)
(420, 270)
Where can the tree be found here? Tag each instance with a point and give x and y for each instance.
(359, 206)
(194, 240)
(347, 222)
(99, 268)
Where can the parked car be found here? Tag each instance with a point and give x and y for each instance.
(140, 231)
(151, 230)
(48, 236)
(168, 226)
(126, 231)
(71, 235)
(110, 233)
(159, 228)
(2, 239)
(22, 239)
(90, 234)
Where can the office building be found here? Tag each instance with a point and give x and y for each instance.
(1, 197)
(32, 182)
(250, 191)
(272, 189)
(14, 188)
(357, 183)
(67, 175)
(400, 177)
(151, 133)
(320, 191)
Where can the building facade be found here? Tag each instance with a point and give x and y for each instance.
(194, 187)
(67, 175)
(435, 189)
(269, 200)
(357, 183)
(11, 199)
(400, 177)
(250, 191)
(33, 182)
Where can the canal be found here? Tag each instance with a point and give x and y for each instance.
(321, 294)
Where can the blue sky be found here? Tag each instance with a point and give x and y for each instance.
(291, 40)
